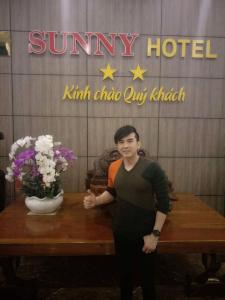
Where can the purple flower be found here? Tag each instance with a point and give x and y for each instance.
(25, 155)
(29, 165)
(23, 158)
(64, 152)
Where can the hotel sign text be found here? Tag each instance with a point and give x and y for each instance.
(114, 44)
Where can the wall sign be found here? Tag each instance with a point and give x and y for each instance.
(93, 43)
(119, 44)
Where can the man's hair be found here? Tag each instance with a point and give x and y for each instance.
(125, 131)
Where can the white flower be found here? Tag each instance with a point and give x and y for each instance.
(13, 150)
(9, 178)
(42, 163)
(9, 175)
(44, 144)
(48, 178)
(39, 157)
(24, 142)
(20, 142)
(64, 163)
(28, 140)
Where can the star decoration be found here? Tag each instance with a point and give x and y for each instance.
(108, 72)
(138, 72)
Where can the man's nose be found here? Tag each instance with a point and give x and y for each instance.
(125, 145)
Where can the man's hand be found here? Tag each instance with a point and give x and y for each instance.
(150, 243)
(90, 200)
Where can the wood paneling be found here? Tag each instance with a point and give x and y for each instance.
(71, 131)
(101, 132)
(5, 64)
(74, 178)
(26, 63)
(192, 137)
(187, 137)
(4, 15)
(122, 108)
(124, 16)
(7, 129)
(193, 17)
(196, 67)
(55, 15)
(5, 95)
(200, 176)
(204, 98)
(41, 95)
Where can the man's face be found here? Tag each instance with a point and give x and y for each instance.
(128, 146)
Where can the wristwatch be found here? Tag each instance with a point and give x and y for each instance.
(156, 232)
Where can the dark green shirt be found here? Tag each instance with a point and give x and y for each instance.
(139, 193)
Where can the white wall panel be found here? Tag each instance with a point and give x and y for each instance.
(192, 137)
(200, 176)
(4, 15)
(5, 95)
(124, 16)
(204, 98)
(193, 17)
(55, 15)
(71, 131)
(42, 95)
(101, 132)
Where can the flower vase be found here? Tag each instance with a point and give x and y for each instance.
(45, 205)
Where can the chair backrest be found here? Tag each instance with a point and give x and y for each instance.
(96, 179)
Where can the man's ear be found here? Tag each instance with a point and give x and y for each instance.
(139, 145)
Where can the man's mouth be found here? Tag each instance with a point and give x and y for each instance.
(126, 151)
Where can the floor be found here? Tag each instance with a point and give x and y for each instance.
(95, 278)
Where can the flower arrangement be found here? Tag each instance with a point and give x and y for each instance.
(38, 163)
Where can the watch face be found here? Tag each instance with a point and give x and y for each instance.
(156, 232)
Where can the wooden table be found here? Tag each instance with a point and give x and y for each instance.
(191, 227)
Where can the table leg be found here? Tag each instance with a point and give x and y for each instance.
(207, 283)
(9, 266)
(15, 287)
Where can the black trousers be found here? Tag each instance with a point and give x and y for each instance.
(129, 254)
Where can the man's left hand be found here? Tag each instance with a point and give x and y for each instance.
(150, 243)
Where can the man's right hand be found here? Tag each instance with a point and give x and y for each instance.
(90, 200)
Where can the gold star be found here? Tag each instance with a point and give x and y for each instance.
(138, 72)
(108, 72)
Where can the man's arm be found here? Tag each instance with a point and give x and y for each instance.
(150, 240)
(91, 200)
(159, 220)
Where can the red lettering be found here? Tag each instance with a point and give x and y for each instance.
(58, 42)
(128, 43)
(85, 45)
(102, 40)
(37, 43)
(52, 42)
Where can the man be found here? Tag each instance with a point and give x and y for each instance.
(139, 186)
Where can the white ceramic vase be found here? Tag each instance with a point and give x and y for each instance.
(44, 205)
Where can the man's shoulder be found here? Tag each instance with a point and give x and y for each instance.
(149, 162)
(151, 167)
